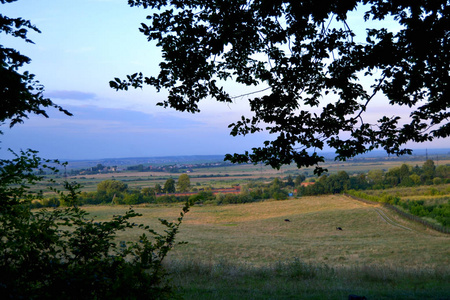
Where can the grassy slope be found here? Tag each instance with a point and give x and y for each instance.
(249, 251)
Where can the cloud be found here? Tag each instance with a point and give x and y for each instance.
(73, 95)
(95, 132)
(89, 119)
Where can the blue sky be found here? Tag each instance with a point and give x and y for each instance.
(83, 45)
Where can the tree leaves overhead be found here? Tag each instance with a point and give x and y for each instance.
(20, 93)
(311, 62)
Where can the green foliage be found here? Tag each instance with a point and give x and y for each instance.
(290, 181)
(112, 186)
(438, 212)
(184, 183)
(201, 197)
(169, 186)
(296, 52)
(65, 254)
(158, 188)
(299, 179)
(428, 171)
(133, 198)
(18, 175)
(403, 176)
(329, 184)
(443, 171)
(437, 181)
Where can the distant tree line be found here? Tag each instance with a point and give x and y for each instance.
(118, 192)
(403, 176)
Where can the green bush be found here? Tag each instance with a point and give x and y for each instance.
(50, 202)
(65, 254)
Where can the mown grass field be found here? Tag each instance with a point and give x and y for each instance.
(249, 251)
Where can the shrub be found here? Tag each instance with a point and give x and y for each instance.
(50, 202)
(437, 180)
(64, 254)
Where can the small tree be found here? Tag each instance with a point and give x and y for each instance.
(184, 183)
(299, 179)
(437, 180)
(158, 188)
(375, 176)
(428, 170)
(443, 171)
(415, 179)
(112, 186)
(169, 185)
(290, 181)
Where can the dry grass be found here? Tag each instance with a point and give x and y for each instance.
(248, 251)
(257, 234)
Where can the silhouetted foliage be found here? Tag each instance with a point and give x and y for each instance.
(298, 52)
(20, 93)
(63, 253)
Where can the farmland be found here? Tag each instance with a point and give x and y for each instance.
(291, 249)
(227, 175)
(227, 243)
(256, 233)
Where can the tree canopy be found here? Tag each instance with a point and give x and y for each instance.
(169, 185)
(20, 93)
(111, 186)
(306, 62)
(184, 183)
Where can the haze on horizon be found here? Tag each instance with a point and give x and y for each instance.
(83, 45)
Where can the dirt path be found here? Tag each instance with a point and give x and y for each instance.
(388, 220)
(382, 214)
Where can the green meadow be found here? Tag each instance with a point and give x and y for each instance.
(250, 251)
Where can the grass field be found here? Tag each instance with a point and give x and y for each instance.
(249, 251)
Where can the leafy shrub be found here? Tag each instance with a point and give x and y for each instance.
(50, 202)
(64, 254)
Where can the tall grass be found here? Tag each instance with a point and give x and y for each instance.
(295, 279)
(248, 251)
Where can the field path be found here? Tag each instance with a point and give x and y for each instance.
(388, 220)
(382, 214)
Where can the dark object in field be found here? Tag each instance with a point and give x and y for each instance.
(287, 220)
(356, 297)
(338, 228)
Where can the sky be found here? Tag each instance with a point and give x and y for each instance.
(83, 45)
